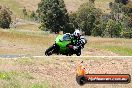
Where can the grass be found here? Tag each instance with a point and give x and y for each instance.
(74, 3)
(27, 33)
(17, 76)
(28, 26)
(72, 6)
(38, 85)
(103, 5)
(14, 79)
(119, 46)
(24, 42)
(26, 61)
(11, 74)
(103, 0)
(120, 50)
(15, 34)
(4, 76)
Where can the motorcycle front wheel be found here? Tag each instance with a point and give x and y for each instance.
(49, 51)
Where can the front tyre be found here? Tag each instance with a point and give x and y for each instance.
(49, 51)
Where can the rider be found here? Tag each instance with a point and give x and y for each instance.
(76, 39)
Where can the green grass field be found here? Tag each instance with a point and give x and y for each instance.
(15, 79)
(120, 46)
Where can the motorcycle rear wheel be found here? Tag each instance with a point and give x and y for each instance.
(78, 53)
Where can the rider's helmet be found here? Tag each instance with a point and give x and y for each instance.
(77, 33)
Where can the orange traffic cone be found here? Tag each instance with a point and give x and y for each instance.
(81, 70)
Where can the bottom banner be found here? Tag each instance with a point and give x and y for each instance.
(103, 78)
(82, 77)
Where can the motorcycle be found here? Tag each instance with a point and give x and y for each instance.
(63, 46)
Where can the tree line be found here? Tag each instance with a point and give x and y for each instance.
(92, 21)
(5, 17)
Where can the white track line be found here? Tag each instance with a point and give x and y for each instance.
(83, 56)
(66, 57)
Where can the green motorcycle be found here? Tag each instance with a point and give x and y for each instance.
(63, 46)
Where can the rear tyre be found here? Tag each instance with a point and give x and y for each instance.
(49, 51)
(78, 53)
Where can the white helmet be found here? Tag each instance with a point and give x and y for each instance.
(76, 33)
